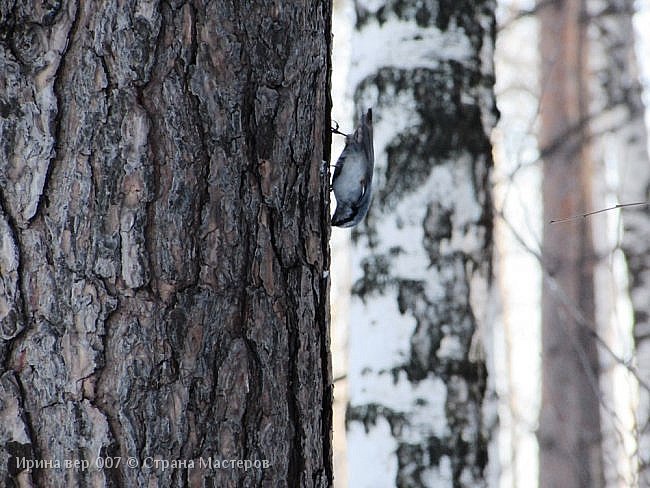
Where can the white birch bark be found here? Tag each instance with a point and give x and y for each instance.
(619, 117)
(621, 144)
(422, 259)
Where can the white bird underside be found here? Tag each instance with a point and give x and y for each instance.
(350, 179)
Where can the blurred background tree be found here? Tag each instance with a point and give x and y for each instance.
(571, 135)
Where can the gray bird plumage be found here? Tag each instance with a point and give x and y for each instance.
(352, 181)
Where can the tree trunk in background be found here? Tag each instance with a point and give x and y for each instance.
(422, 259)
(635, 186)
(620, 161)
(620, 149)
(569, 426)
(164, 239)
(623, 113)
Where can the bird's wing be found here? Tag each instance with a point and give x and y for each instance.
(339, 164)
(364, 189)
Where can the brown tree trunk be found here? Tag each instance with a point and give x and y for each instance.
(569, 428)
(164, 230)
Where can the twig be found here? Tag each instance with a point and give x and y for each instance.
(585, 215)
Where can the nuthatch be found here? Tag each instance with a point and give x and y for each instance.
(352, 181)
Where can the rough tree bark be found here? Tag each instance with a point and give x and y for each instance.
(164, 232)
(422, 259)
(569, 425)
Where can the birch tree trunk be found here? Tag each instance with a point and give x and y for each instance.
(569, 426)
(620, 114)
(164, 232)
(422, 259)
(621, 143)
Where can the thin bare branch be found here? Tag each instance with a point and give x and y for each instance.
(575, 312)
(585, 215)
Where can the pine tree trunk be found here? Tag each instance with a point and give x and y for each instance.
(569, 426)
(164, 235)
(422, 259)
